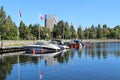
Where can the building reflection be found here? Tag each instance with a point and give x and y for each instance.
(50, 60)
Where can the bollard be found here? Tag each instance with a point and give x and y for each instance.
(42, 51)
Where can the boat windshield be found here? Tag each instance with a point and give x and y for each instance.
(41, 43)
(53, 42)
(44, 43)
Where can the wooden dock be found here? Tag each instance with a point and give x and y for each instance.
(11, 50)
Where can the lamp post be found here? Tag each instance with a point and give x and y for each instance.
(2, 20)
(63, 31)
(39, 33)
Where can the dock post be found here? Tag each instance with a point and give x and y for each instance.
(1, 47)
(1, 51)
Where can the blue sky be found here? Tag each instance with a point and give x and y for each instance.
(78, 12)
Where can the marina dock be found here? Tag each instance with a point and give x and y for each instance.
(11, 50)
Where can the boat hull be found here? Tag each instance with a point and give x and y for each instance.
(40, 50)
(74, 45)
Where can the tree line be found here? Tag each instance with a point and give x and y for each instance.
(9, 30)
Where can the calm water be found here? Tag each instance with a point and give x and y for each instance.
(99, 61)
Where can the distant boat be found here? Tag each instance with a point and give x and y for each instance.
(41, 47)
(79, 42)
(74, 44)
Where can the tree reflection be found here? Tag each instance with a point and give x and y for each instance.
(97, 50)
(6, 64)
(87, 50)
(24, 59)
(79, 53)
(117, 53)
(65, 56)
(105, 53)
(93, 51)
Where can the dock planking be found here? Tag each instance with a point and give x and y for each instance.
(11, 49)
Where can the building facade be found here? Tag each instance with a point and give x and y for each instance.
(50, 21)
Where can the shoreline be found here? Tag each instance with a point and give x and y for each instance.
(16, 43)
(101, 40)
(8, 43)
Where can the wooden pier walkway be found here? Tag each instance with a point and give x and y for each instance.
(11, 49)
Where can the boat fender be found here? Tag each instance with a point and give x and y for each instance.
(33, 51)
(41, 51)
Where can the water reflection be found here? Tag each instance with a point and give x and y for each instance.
(7, 64)
(102, 50)
(10, 67)
(5, 67)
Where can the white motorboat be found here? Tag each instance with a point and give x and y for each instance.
(61, 46)
(42, 47)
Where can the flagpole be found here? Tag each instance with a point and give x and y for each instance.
(19, 16)
(18, 22)
(41, 18)
(39, 32)
(39, 27)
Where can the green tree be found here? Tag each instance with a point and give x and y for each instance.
(73, 32)
(31, 36)
(2, 21)
(2, 16)
(43, 32)
(113, 34)
(24, 31)
(92, 32)
(8, 29)
(80, 33)
(117, 29)
(35, 31)
(58, 30)
(86, 33)
(105, 31)
(99, 32)
(61, 27)
(66, 31)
